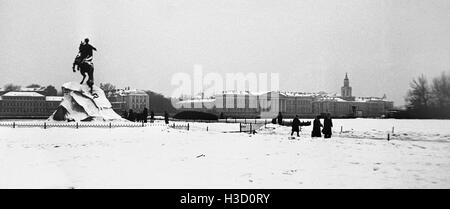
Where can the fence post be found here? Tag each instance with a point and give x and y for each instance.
(250, 128)
(235, 120)
(226, 120)
(388, 137)
(245, 120)
(206, 128)
(142, 123)
(77, 125)
(14, 124)
(240, 127)
(45, 125)
(110, 125)
(341, 129)
(188, 127)
(265, 123)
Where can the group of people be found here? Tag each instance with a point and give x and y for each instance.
(138, 117)
(142, 116)
(317, 125)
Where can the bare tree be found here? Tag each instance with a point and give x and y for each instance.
(50, 91)
(34, 86)
(11, 87)
(108, 88)
(441, 90)
(419, 95)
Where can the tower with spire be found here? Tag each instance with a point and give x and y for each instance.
(346, 90)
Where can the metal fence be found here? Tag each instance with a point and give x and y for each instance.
(48, 124)
(180, 126)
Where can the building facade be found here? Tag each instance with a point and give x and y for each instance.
(27, 105)
(289, 104)
(123, 100)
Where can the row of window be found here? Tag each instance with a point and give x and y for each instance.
(22, 104)
(299, 102)
(136, 99)
(23, 110)
(25, 98)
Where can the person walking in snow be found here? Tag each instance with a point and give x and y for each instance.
(280, 118)
(131, 116)
(327, 125)
(144, 115)
(166, 117)
(295, 126)
(152, 116)
(316, 127)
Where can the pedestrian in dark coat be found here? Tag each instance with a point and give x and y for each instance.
(145, 115)
(327, 125)
(166, 117)
(280, 118)
(316, 127)
(295, 126)
(152, 116)
(131, 116)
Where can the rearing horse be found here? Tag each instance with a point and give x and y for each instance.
(86, 66)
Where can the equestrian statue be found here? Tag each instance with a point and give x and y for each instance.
(84, 63)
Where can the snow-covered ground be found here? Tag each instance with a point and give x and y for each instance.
(418, 156)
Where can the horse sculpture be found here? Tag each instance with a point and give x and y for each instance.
(85, 66)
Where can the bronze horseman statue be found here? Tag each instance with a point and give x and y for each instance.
(84, 63)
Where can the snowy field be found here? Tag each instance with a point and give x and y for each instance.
(417, 156)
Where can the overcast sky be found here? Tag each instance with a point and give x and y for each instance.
(381, 44)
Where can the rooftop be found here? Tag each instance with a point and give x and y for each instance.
(129, 91)
(42, 88)
(22, 94)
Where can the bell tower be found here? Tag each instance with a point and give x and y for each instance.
(346, 90)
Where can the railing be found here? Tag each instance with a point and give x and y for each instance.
(49, 124)
(180, 126)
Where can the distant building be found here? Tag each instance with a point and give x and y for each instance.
(346, 90)
(254, 105)
(27, 105)
(123, 100)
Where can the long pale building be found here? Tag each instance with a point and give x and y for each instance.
(246, 104)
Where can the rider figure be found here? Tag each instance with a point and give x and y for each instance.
(86, 49)
(84, 52)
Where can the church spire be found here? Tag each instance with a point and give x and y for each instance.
(346, 90)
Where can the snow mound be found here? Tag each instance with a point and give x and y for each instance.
(80, 104)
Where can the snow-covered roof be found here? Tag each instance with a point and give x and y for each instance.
(329, 98)
(42, 88)
(283, 93)
(196, 101)
(298, 94)
(130, 91)
(370, 99)
(53, 98)
(22, 94)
